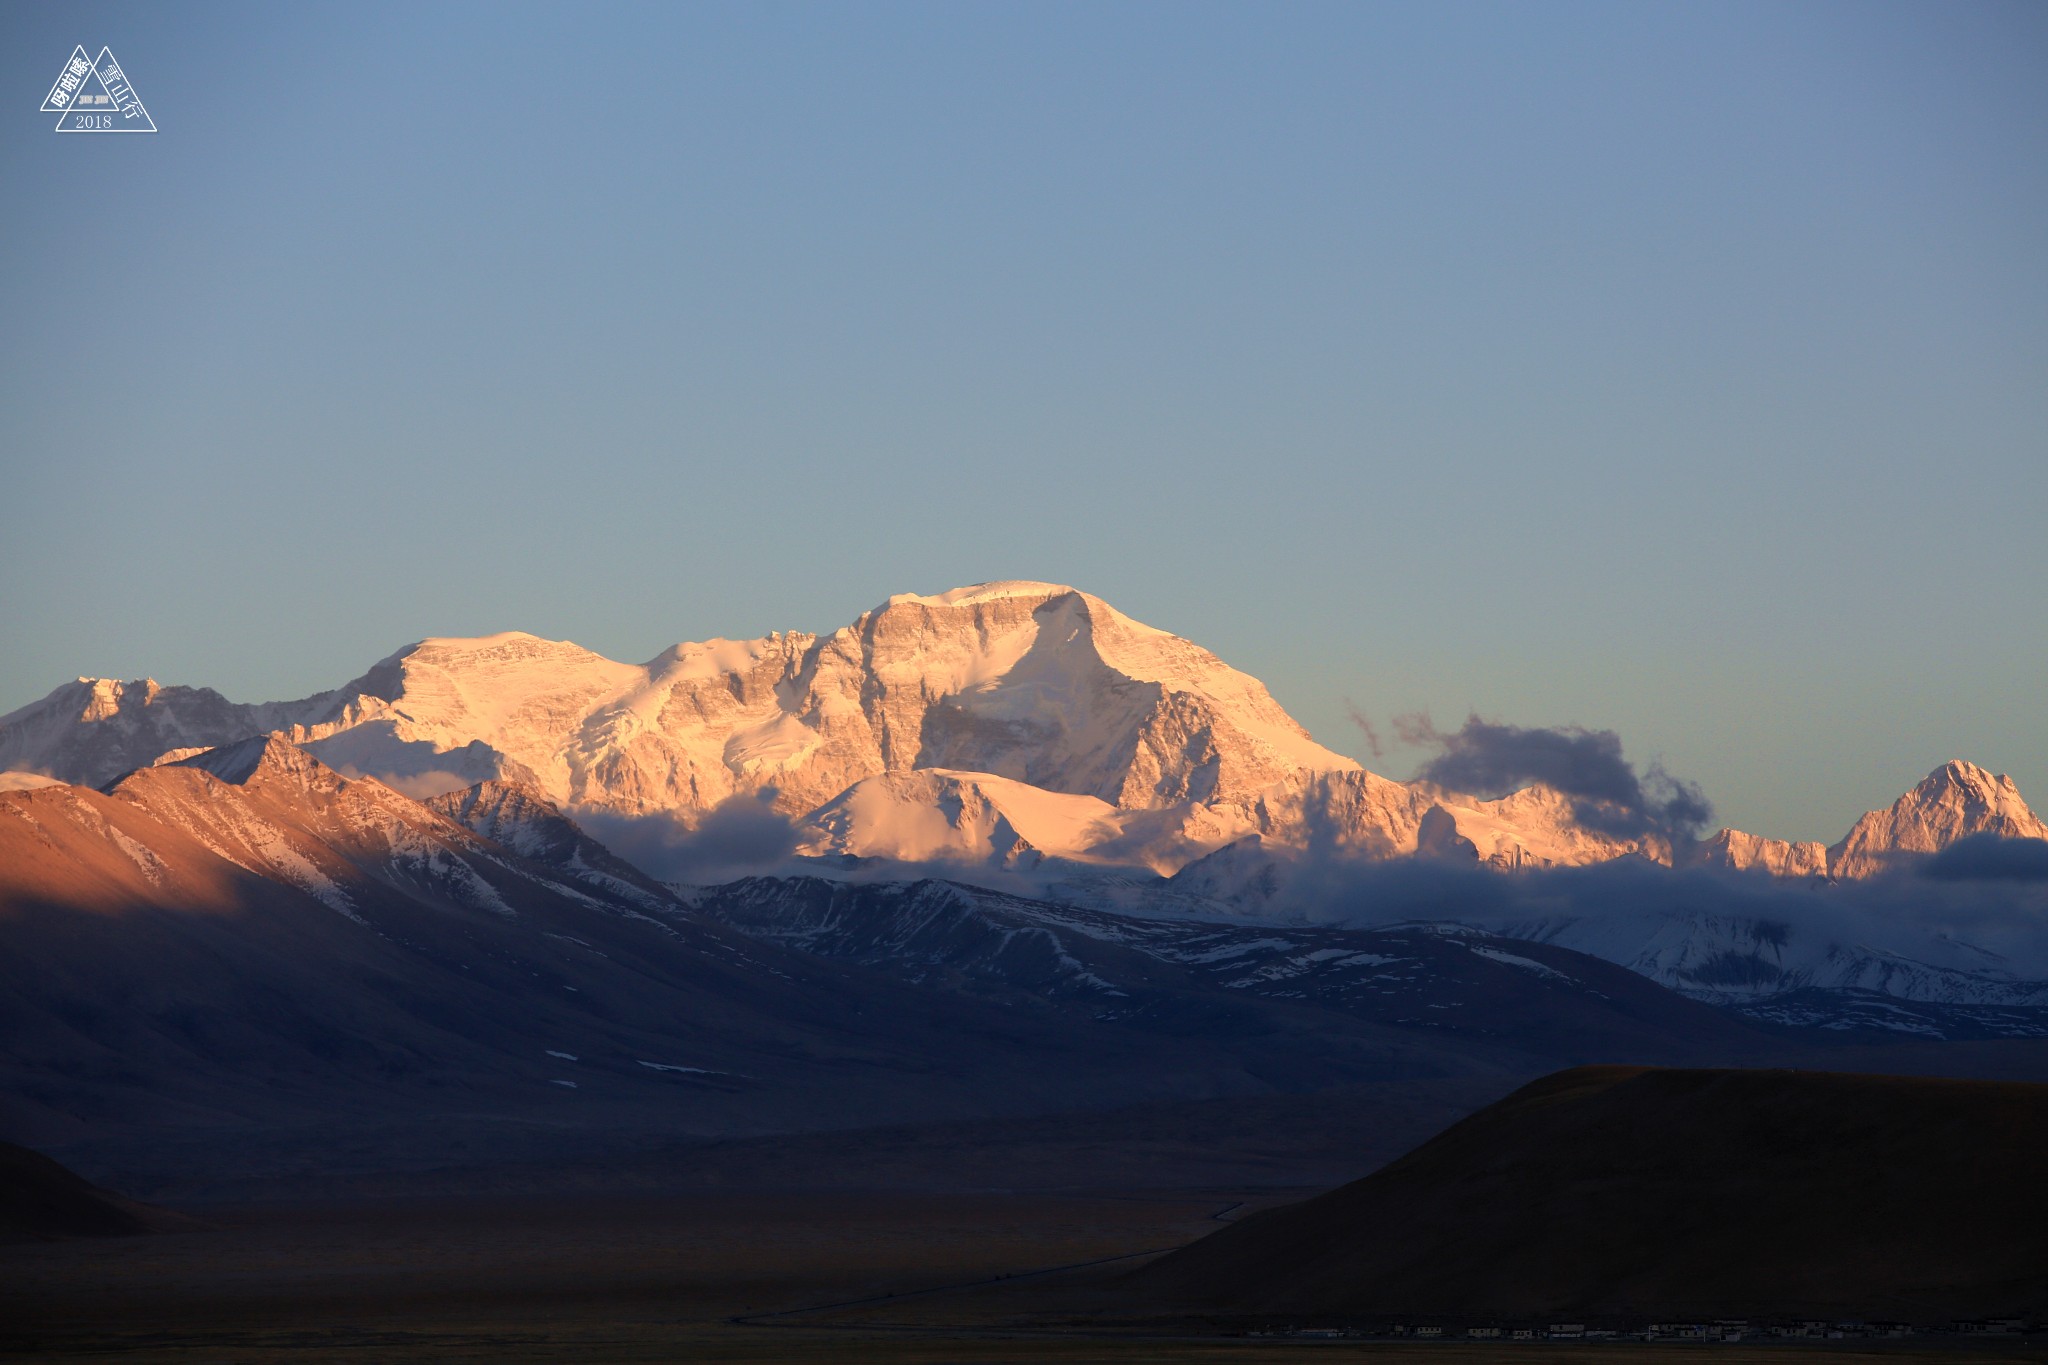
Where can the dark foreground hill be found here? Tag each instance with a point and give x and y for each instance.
(40, 1198)
(1632, 1194)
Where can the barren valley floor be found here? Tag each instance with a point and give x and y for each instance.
(682, 1278)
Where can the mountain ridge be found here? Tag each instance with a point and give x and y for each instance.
(1011, 723)
(220, 960)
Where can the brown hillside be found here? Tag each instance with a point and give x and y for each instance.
(1626, 1193)
(41, 1198)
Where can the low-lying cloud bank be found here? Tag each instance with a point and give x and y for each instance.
(743, 836)
(420, 786)
(1986, 857)
(1981, 905)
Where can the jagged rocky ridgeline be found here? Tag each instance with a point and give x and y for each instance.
(1009, 724)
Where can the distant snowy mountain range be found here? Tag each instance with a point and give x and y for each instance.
(1030, 731)
(1005, 723)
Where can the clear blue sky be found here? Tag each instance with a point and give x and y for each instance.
(1676, 369)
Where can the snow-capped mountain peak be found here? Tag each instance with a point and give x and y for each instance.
(1035, 682)
(1954, 802)
(999, 723)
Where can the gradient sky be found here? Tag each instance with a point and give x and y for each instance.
(1675, 369)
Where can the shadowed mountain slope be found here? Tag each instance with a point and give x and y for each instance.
(247, 945)
(244, 963)
(1214, 980)
(1627, 1194)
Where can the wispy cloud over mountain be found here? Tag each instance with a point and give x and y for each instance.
(1490, 758)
